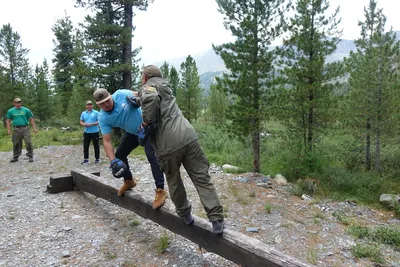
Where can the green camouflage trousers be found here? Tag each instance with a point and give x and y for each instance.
(196, 164)
(18, 134)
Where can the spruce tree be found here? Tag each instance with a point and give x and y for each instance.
(255, 24)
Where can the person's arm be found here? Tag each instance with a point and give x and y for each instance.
(150, 103)
(8, 124)
(82, 123)
(108, 147)
(32, 121)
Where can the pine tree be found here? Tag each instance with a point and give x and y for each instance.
(174, 80)
(63, 60)
(14, 65)
(165, 70)
(373, 98)
(190, 93)
(41, 92)
(307, 94)
(217, 104)
(254, 24)
(109, 40)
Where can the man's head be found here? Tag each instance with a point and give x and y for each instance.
(103, 99)
(149, 72)
(89, 105)
(17, 102)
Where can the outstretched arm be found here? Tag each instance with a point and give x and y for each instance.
(108, 147)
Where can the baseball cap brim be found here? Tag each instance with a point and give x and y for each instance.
(103, 100)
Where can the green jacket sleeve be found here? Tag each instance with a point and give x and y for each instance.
(150, 103)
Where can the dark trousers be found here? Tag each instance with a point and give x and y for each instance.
(128, 143)
(19, 134)
(196, 164)
(87, 137)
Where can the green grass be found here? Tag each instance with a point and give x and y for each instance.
(52, 137)
(268, 208)
(367, 251)
(163, 243)
(384, 235)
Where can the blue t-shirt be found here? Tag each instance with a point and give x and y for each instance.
(90, 117)
(123, 115)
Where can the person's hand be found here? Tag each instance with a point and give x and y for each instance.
(133, 100)
(145, 131)
(118, 168)
(34, 130)
(9, 131)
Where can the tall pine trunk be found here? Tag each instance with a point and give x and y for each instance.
(368, 146)
(378, 122)
(127, 50)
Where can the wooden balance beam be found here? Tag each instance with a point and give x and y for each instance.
(232, 245)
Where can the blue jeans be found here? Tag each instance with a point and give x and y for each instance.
(128, 143)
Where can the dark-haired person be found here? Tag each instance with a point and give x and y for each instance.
(176, 143)
(90, 120)
(118, 111)
(20, 117)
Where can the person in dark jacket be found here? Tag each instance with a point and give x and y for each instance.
(176, 143)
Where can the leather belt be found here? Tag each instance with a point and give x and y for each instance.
(22, 126)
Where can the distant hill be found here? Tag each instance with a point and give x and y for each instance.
(210, 64)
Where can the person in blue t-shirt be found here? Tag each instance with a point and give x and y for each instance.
(90, 120)
(118, 110)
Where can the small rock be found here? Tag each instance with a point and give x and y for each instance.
(252, 229)
(66, 254)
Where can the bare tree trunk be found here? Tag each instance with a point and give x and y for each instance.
(127, 49)
(368, 146)
(378, 167)
(256, 151)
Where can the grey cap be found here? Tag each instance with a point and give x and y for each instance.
(152, 71)
(17, 99)
(101, 95)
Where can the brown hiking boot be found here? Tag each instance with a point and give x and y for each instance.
(159, 200)
(128, 184)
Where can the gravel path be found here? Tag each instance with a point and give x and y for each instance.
(78, 229)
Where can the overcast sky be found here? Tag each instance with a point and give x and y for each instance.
(168, 29)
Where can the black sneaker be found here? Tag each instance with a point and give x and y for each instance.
(14, 160)
(96, 161)
(85, 161)
(188, 219)
(30, 159)
(218, 227)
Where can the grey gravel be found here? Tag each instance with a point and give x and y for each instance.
(78, 229)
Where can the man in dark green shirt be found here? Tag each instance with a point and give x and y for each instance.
(20, 117)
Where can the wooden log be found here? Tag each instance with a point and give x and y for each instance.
(232, 245)
(63, 184)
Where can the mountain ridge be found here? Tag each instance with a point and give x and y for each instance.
(209, 64)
